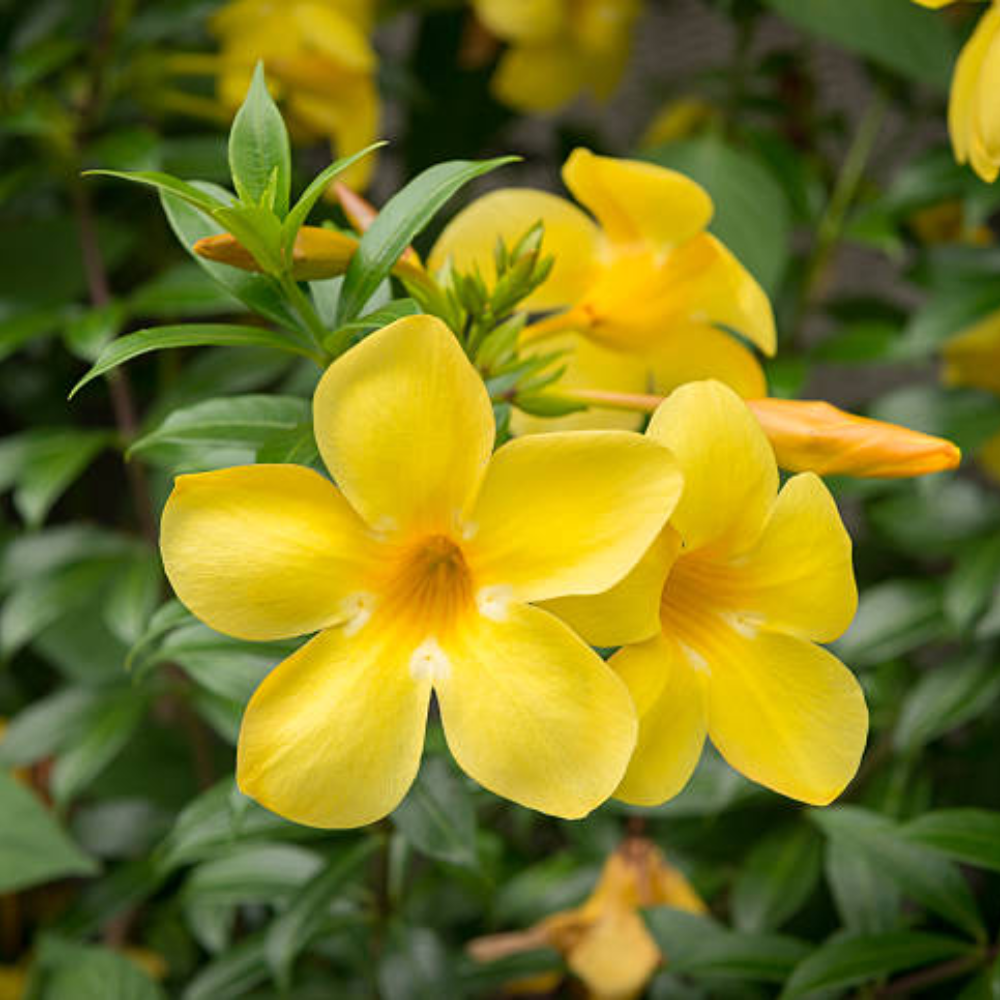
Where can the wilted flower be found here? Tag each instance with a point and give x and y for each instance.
(750, 580)
(604, 940)
(558, 48)
(642, 292)
(417, 570)
(320, 67)
(974, 109)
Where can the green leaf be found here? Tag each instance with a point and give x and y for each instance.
(437, 816)
(968, 835)
(921, 874)
(249, 422)
(70, 971)
(262, 873)
(197, 197)
(945, 697)
(698, 946)
(46, 725)
(777, 878)
(752, 214)
(133, 596)
(258, 292)
(861, 958)
(307, 200)
(401, 219)
(866, 899)
(294, 930)
(42, 464)
(893, 618)
(159, 338)
(900, 36)
(260, 158)
(970, 586)
(397, 309)
(33, 847)
(233, 975)
(109, 725)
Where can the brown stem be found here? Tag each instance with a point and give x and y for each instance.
(119, 387)
(908, 985)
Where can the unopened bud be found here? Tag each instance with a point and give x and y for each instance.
(810, 436)
(318, 253)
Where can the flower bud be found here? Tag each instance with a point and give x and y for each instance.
(318, 253)
(812, 436)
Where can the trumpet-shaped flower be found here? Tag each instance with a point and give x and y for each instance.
(748, 581)
(558, 48)
(642, 291)
(972, 358)
(604, 940)
(418, 571)
(974, 110)
(320, 67)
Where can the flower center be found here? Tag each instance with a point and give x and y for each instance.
(430, 586)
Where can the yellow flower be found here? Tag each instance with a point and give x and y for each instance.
(642, 292)
(558, 48)
(676, 120)
(319, 65)
(944, 224)
(749, 581)
(604, 940)
(972, 358)
(974, 108)
(419, 574)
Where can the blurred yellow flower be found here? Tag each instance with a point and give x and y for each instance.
(677, 120)
(642, 292)
(604, 940)
(418, 573)
(558, 48)
(974, 109)
(320, 67)
(972, 358)
(749, 581)
(945, 223)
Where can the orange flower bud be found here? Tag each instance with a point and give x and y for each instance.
(812, 436)
(318, 253)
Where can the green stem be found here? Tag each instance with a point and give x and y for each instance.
(307, 313)
(831, 225)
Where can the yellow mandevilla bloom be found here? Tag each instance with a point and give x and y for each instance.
(418, 570)
(750, 580)
(558, 48)
(974, 108)
(320, 67)
(641, 292)
(972, 358)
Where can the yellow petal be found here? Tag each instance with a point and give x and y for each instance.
(332, 34)
(630, 611)
(799, 577)
(669, 697)
(471, 237)
(404, 424)
(935, 4)
(636, 201)
(539, 77)
(534, 715)
(616, 957)
(786, 713)
(522, 20)
(588, 365)
(263, 551)
(725, 293)
(972, 357)
(988, 96)
(570, 513)
(695, 351)
(333, 735)
(963, 103)
(989, 456)
(730, 476)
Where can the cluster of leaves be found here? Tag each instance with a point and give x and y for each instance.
(129, 862)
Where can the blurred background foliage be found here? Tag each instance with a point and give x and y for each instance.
(130, 867)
